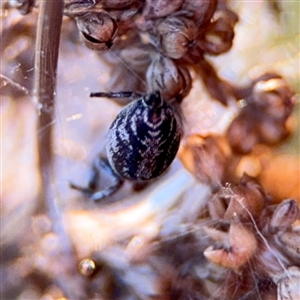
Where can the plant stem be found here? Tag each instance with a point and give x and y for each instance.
(46, 58)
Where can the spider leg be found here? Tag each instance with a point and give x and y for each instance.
(124, 94)
(117, 181)
(96, 196)
(90, 191)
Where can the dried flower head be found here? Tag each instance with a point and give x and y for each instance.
(205, 158)
(288, 284)
(114, 3)
(171, 80)
(24, 6)
(175, 36)
(290, 242)
(160, 8)
(75, 8)
(264, 118)
(240, 247)
(200, 11)
(125, 13)
(241, 201)
(275, 97)
(97, 29)
(285, 214)
(218, 36)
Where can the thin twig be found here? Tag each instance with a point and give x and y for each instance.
(46, 58)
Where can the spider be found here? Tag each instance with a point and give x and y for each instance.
(142, 142)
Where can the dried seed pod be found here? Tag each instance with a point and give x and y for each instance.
(115, 3)
(246, 92)
(170, 80)
(275, 97)
(273, 132)
(242, 201)
(270, 105)
(24, 6)
(290, 241)
(187, 81)
(175, 36)
(205, 158)
(248, 200)
(289, 283)
(125, 13)
(286, 213)
(97, 29)
(242, 245)
(73, 8)
(201, 10)
(218, 37)
(240, 133)
(160, 8)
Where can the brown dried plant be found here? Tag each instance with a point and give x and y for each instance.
(222, 223)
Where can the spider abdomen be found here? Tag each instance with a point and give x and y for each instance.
(144, 139)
